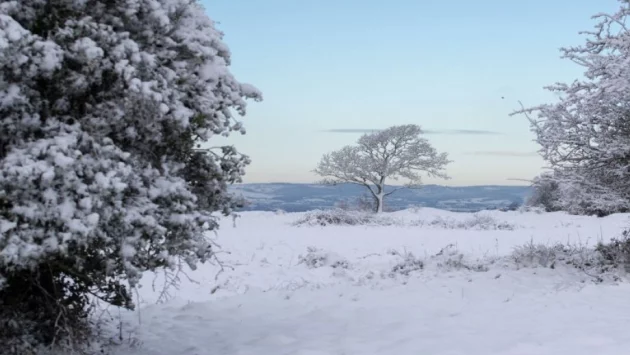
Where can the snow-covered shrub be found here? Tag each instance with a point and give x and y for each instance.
(551, 256)
(476, 222)
(364, 204)
(340, 217)
(409, 263)
(545, 193)
(605, 260)
(415, 208)
(446, 223)
(450, 258)
(103, 105)
(532, 209)
(616, 253)
(486, 222)
(513, 206)
(316, 258)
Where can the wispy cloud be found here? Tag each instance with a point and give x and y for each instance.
(503, 153)
(461, 131)
(351, 130)
(428, 131)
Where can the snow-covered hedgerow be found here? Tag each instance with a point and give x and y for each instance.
(102, 106)
(341, 217)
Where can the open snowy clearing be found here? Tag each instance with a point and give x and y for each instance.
(360, 290)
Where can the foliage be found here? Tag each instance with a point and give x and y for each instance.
(545, 193)
(103, 105)
(616, 253)
(585, 136)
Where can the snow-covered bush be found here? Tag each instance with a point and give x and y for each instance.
(605, 260)
(407, 265)
(103, 105)
(475, 222)
(316, 258)
(616, 253)
(361, 204)
(415, 208)
(449, 258)
(513, 206)
(532, 209)
(552, 192)
(340, 217)
(551, 256)
(545, 193)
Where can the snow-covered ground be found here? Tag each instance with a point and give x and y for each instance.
(334, 290)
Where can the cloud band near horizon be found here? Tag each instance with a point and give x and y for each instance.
(428, 131)
(503, 153)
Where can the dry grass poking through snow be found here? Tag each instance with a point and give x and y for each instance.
(339, 217)
(603, 262)
(599, 262)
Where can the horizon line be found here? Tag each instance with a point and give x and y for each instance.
(349, 183)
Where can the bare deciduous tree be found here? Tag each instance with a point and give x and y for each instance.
(395, 153)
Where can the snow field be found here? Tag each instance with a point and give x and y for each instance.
(313, 290)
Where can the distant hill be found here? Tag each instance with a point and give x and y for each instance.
(306, 197)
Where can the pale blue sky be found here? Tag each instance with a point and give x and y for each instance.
(363, 64)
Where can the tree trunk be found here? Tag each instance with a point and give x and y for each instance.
(380, 194)
(378, 199)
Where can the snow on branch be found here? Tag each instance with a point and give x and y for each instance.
(585, 135)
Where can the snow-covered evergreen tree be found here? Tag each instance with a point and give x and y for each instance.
(585, 136)
(102, 106)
